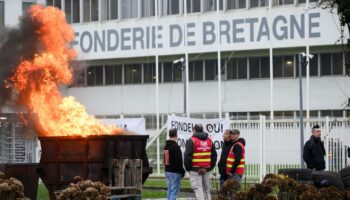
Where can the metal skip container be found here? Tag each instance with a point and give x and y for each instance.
(64, 157)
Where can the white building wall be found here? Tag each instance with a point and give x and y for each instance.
(238, 96)
(13, 11)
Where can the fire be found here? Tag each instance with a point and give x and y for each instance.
(36, 80)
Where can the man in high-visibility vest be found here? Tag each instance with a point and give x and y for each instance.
(200, 158)
(236, 157)
(227, 138)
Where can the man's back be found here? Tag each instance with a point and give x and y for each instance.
(175, 158)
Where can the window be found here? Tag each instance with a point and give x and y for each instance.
(148, 8)
(193, 6)
(265, 67)
(236, 4)
(254, 115)
(237, 68)
(56, 3)
(259, 67)
(113, 74)
(283, 66)
(304, 1)
(258, 3)
(326, 64)
(149, 73)
(196, 115)
(95, 75)
(285, 2)
(313, 65)
(313, 114)
(72, 11)
(337, 64)
(254, 67)
(288, 66)
(325, 113)
(210, 5)
(331, 64)
(2, 14)
(238, 115)
(211, 70)
(25, 6)
(151, 121)
(338, 113)
(129, 9)
(110, 9)
(170, 7)
(277, 66)
(196, 71)
(90, 10)
(288, 114)
(132, 73)
(172, 73)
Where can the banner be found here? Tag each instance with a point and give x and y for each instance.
(184, 126)
(136, 125)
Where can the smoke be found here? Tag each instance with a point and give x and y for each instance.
(15, 44)
(78, 68)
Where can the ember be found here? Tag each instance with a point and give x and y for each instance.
(36, 80)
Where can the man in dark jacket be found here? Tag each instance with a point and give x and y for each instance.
(235, 169)
(314, 151)
(200, 158)
(227, 137)
(174, 170)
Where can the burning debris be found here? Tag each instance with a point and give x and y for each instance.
(41, 66)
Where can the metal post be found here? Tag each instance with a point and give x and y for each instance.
(326, 142)
(261, 147)
(264, 145)
(301, 113)
(184, 83)
(158, 156)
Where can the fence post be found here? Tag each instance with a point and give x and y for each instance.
(326, 142)
(261, 149)
(343, 146)
(158, 157)
(264, 144)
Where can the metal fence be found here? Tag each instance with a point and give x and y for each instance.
(272, 145)
(18, 142)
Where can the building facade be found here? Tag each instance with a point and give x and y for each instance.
(122, 44)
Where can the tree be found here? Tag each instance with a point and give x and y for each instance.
(343, 11)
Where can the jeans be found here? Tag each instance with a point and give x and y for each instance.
(173, 181)
(237, 177)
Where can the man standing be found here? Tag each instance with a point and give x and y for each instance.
(314, 151)
(174, 170)
(200, 158)
(236, 157)
(227, 137)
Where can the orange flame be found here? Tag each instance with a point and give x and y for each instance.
(37, 80)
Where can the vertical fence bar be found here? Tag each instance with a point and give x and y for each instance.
(158, 156)
(264, 144)
(326, 142)
(261, 163)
